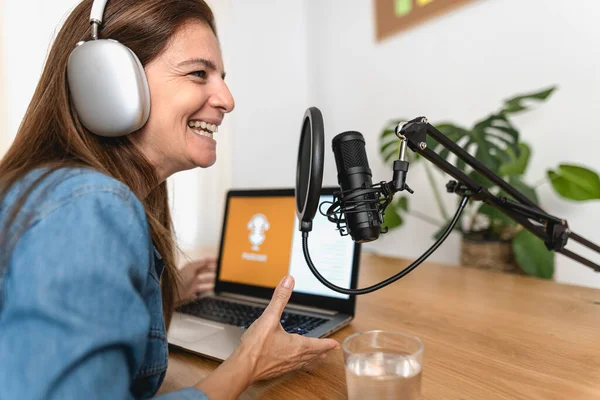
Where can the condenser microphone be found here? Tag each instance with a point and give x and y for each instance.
(361, 212)
(359, 206)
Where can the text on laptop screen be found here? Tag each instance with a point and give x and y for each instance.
(262, 244)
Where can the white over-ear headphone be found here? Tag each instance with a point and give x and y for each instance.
(107, 82)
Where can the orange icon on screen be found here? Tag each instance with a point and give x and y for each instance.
(257, 225)
(258, 240)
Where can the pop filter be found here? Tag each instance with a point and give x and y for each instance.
(309, 169)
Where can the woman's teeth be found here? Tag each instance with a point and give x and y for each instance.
(203, 128)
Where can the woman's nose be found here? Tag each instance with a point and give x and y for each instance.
(222, 98)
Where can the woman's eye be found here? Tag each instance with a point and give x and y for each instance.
(199, 74)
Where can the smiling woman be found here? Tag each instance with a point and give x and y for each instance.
(88, 279)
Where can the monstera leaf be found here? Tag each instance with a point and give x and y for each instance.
(524, 188)
(393, 213)
(575, 183)
(519, 103)
(495, 214)
(532, 255)
(488, 141)
(516, 164)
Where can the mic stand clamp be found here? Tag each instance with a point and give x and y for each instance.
(459, 189)
(398, 182)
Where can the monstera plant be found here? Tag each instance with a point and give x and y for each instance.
(496, 142)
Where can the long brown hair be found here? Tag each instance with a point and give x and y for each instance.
(51, 135)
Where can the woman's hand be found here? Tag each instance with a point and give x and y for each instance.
(265, 351)
(270, 350)
(197, 277)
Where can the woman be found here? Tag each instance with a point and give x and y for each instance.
(87, 275)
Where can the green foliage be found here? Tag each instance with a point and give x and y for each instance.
(516, 164)
(575, 183)
(516, 103)
(496, 142)
(529, 191)
(532, 255)
(393, 213)
(488, 141)
(494, 214)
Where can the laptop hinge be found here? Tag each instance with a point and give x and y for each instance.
(266, 302)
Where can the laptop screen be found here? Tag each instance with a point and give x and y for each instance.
(261, 243)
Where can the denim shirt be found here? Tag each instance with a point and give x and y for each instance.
(80, 301)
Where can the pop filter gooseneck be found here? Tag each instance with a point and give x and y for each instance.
(309, 179)
(309, 170)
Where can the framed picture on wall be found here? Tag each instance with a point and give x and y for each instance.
(393, 16)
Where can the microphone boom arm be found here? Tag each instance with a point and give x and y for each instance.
(553, 231)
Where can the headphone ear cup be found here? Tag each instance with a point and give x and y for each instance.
(108, 87)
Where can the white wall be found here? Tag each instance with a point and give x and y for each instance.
(271, 89)
(27, 31)
(457, 67)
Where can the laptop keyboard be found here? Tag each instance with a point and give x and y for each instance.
(244, 315)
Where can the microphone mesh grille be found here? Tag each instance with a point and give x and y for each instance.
(354, 154)
(349, 153)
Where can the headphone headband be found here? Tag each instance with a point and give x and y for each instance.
(96, 16)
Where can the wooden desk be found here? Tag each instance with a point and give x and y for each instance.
(487, 336)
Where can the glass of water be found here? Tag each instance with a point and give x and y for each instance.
(383, 365)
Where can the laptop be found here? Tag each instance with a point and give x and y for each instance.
(260, 244)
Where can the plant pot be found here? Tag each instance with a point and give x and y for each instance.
(490, 254)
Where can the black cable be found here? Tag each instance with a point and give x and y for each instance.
(394, 278)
